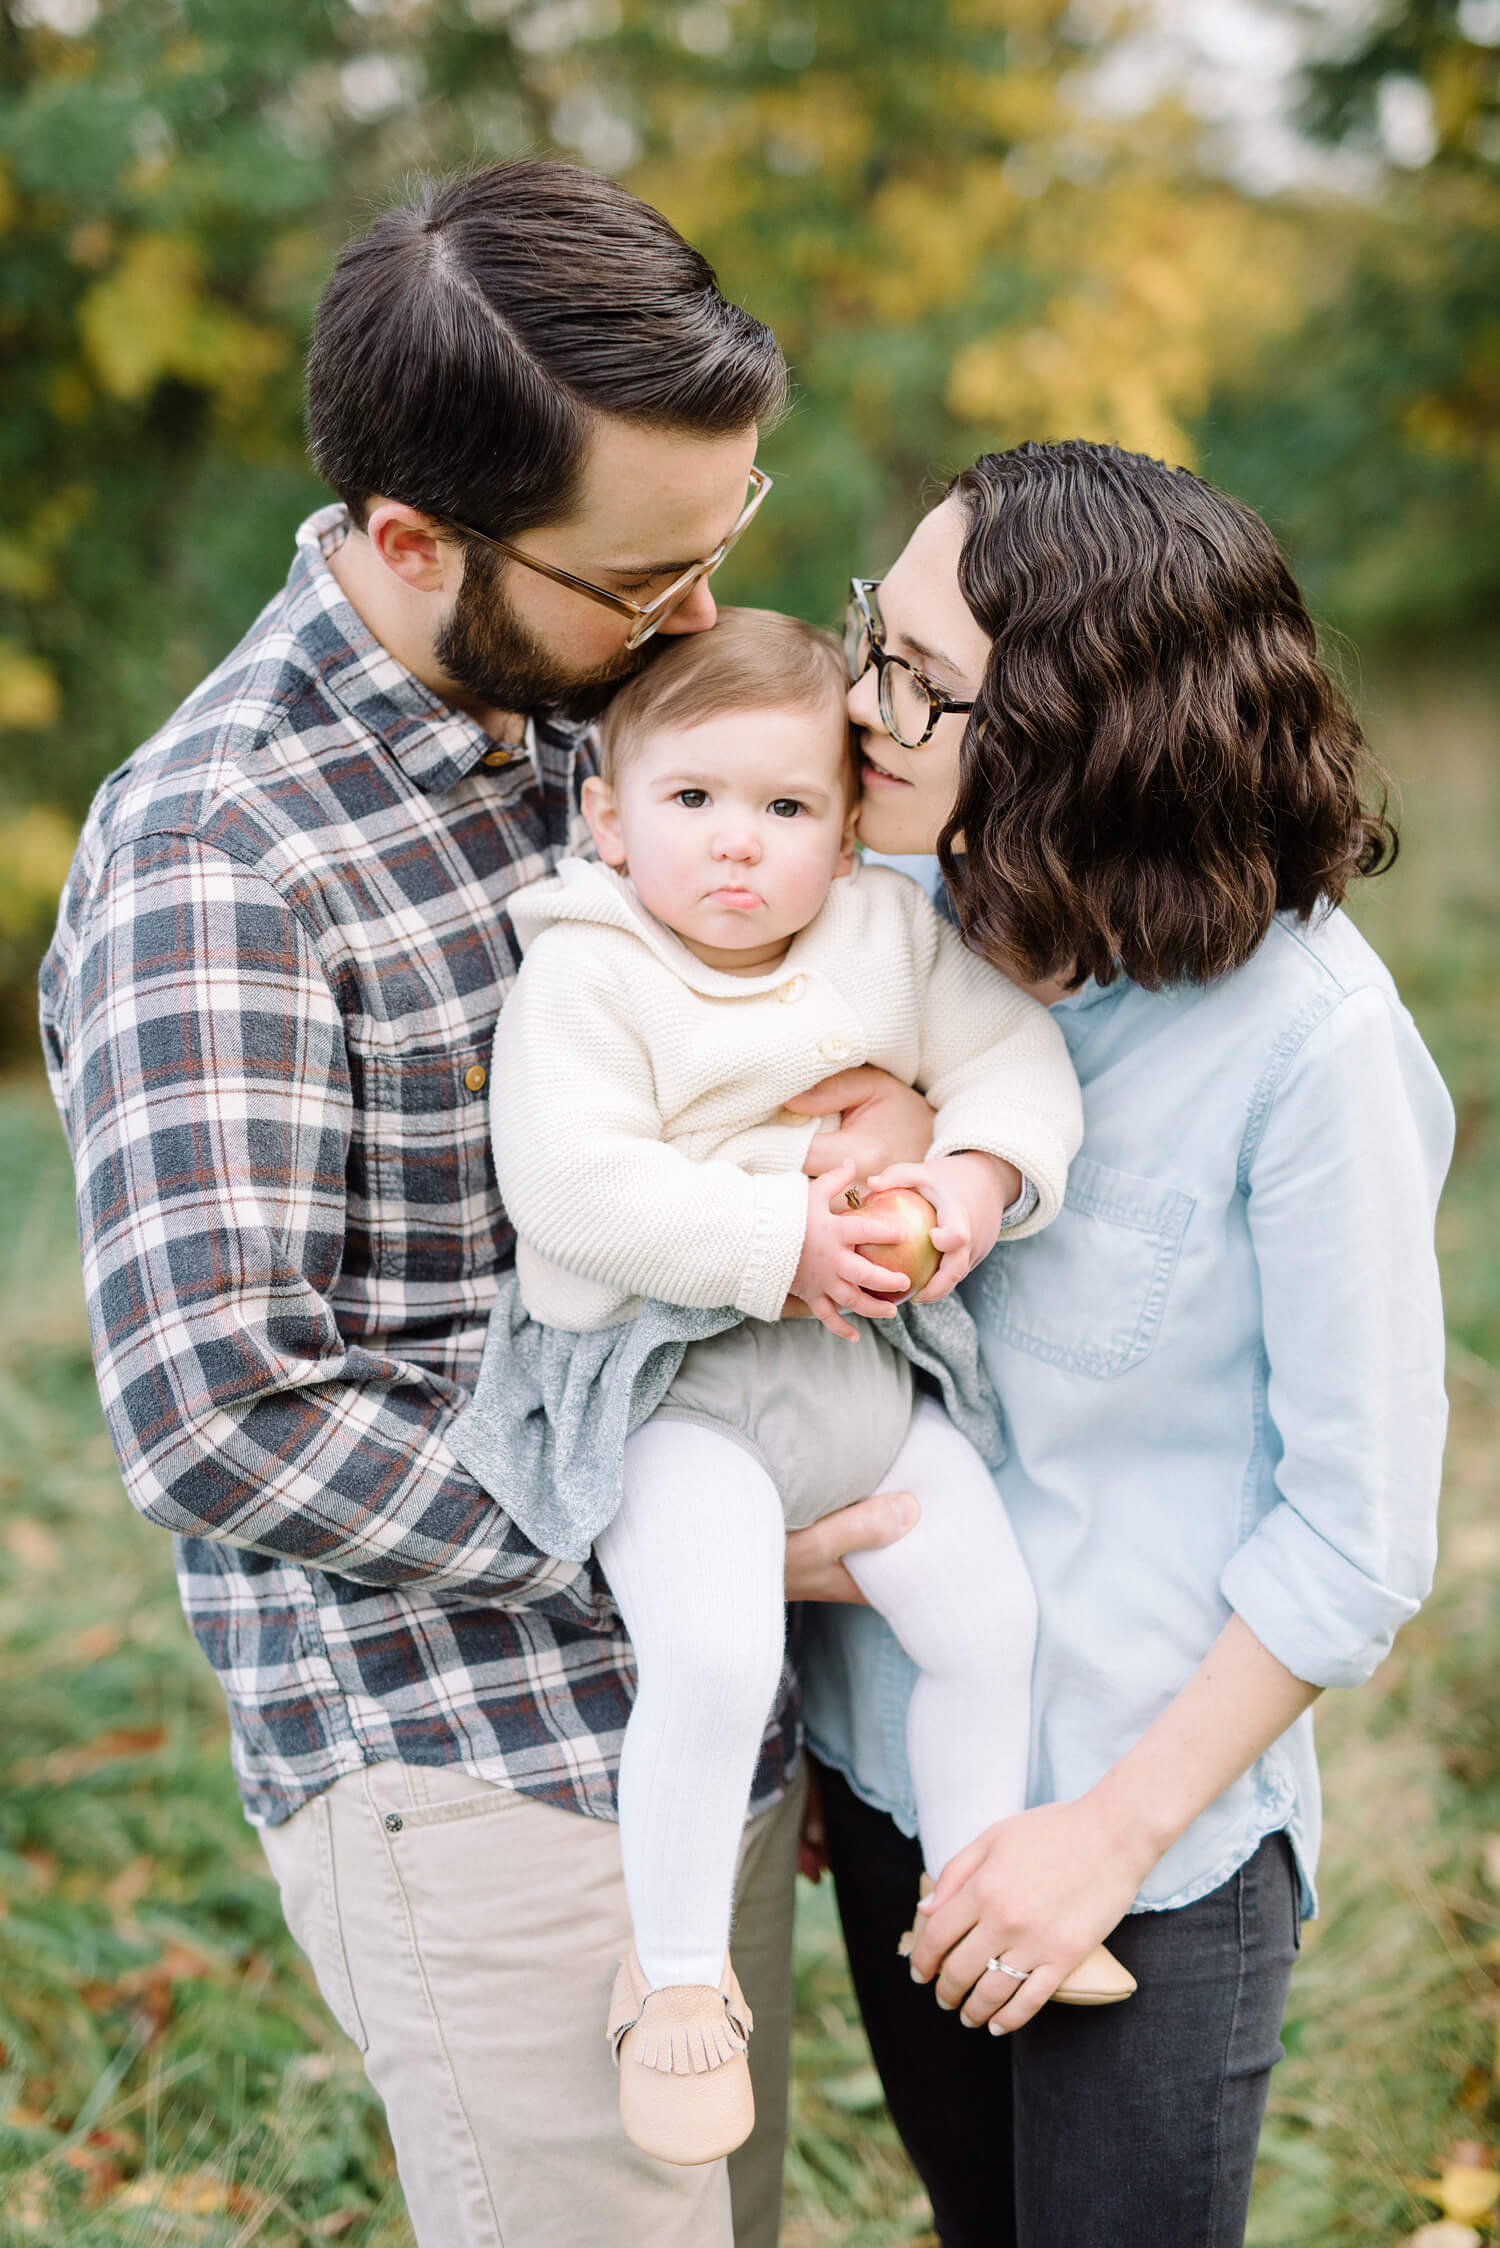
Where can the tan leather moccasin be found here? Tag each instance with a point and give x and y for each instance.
(684, 2080)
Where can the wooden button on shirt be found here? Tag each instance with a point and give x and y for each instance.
(494, 757)
(476, 1077)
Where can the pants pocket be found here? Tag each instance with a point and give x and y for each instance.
(301, 1856)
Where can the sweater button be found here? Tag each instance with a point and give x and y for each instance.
(476, 1077)
(834, 1049)
(792, 989)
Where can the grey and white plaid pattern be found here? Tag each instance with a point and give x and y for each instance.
(267, 1014)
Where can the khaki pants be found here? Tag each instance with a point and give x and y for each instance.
(466, 1938)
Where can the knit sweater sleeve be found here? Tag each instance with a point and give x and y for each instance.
(588, 1179)
(995, 1066)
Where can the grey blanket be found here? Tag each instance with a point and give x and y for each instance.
(545, 1432)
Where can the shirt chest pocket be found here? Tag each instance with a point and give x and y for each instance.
(1089, 1293)
(421, 1181)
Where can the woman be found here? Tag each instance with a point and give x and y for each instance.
(1090, 686)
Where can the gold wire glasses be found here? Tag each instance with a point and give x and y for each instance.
(647, 617)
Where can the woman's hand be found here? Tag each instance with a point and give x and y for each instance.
(1042, 1889)
(815, 1556)
(884, 1121)
(1038, 1891)
(831, 1276)
(971, 1194)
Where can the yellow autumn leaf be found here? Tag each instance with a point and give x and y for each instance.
(1157, 300)
(23, 570)
(152, 317)
(1465, 2189)
(201, 2195)
(36, 849)
(29, 698)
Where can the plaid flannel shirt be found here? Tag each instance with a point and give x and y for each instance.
(268, 1013)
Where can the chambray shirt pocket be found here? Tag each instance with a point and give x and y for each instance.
(1088, 1294)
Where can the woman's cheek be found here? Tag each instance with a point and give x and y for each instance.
(893, 825)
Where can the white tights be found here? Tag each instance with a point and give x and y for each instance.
(695, 1559)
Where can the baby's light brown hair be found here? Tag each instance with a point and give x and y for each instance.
(752, 659)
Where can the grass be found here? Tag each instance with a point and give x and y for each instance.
(167, 2074)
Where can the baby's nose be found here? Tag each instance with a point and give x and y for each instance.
(737, 843)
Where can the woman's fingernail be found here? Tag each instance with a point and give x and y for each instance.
(967, 2023)
(927, 1903)
(945, 2004)
(997, 2027)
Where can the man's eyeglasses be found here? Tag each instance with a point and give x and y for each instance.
(646, 617)
(910, 706)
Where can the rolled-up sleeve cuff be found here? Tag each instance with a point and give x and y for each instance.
(1025, 1204)
(776, 1244)
(1018, 1136)
(1309, 1605)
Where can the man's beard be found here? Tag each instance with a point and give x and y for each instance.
(486, 649)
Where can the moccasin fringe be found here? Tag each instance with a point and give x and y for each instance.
(678, 2048)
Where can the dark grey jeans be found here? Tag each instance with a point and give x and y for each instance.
(1129, 2126)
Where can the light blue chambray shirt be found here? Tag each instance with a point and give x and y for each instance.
(1222, 1374)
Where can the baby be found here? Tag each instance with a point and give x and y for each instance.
(729, 951)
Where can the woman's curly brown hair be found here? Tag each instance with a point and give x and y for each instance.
(1157, 761)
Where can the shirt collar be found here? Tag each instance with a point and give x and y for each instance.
(434, 743)
(1090, 994)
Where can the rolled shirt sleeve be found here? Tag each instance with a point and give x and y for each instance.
(197, 1053)
(1343, 1163)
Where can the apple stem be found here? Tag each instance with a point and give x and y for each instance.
(852, 1198)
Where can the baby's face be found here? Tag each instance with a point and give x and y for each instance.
(732, 830)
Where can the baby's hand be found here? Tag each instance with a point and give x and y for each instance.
(831, 1275)
(971, 1194)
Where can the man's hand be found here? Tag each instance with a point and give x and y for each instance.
(831, 1276)
(971, 1193)
(884, 1122)
(815, 1556)
(812, 1842)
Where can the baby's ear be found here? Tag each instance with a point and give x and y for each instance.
(846, 857)
(603, 815)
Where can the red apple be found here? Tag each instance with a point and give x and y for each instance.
(913, 1254)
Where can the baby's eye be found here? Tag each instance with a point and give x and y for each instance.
(786, 807)
(691, 799)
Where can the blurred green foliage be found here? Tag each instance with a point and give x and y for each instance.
(957, 245)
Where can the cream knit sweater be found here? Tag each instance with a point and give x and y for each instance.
(640, 1141)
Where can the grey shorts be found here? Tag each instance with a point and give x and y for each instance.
(824, 1417)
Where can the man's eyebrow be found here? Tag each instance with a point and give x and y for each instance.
(647, 569)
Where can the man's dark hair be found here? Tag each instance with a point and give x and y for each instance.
(1157, 761)
(463, 346)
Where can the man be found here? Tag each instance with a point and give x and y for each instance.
(268, 1013)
